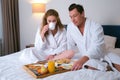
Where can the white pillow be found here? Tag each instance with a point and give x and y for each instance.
(110, 42)
(116, 51)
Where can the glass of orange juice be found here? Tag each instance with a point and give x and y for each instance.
(51, 66)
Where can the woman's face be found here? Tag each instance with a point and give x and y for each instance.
(51, 19)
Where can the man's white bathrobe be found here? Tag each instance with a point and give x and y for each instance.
(91, 43)
(52, 44)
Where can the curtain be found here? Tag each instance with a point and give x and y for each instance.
(10, 21)
(0, 30)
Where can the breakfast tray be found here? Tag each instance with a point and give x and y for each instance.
(35, 74)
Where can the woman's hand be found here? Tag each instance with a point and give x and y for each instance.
(78, 64)
(44, 30)
(50, 57)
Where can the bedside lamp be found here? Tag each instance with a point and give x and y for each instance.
(38, 7)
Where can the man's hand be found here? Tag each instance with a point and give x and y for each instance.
(78, 64)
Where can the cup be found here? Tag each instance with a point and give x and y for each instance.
(51, 66)
(51, 25)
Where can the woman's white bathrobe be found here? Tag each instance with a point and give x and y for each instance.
(91, 43)
(52, 44)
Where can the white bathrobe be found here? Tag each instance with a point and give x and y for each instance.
(91, 43)
(52, 44)
(112, 58)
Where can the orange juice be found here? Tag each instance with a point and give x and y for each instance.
(51, 66)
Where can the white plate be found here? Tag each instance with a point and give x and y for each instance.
(66, 66)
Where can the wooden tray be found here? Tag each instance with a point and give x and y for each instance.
(35, 74)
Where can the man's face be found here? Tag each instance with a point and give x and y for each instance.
(76, 17)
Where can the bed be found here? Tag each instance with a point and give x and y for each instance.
(11, 66)
(112, 31)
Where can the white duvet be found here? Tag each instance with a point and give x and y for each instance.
(11, 68)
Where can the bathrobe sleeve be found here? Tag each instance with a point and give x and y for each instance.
(39, 44)
(97, 46)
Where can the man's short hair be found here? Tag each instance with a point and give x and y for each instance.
(79, 7)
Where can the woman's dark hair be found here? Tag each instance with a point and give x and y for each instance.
(79, 7)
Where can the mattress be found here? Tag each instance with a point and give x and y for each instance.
(11, 68)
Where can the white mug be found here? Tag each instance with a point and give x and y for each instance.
(52, 25)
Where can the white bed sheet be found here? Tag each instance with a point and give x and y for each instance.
(11, 68)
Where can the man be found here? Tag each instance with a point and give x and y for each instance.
(86, 35)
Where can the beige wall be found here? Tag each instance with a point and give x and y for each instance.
(102, 11)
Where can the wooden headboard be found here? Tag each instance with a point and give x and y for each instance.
(112, 30)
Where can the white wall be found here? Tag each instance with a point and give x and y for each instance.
(102, 11)
(28, 23)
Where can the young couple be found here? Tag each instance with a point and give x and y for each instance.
(83, 38)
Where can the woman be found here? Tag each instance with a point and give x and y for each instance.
(51, 38)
